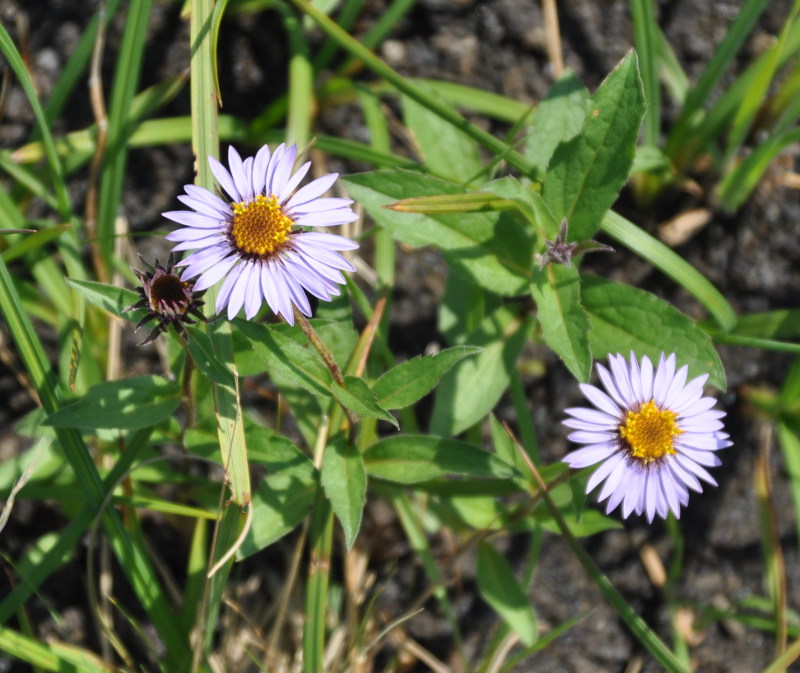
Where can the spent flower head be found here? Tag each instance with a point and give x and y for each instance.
(651, 435)
(252, 234)
(561, 252)
(166, 299)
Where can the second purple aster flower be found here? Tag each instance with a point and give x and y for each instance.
(254, 236)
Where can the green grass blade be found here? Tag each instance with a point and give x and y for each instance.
(403, 85)
(672, 74)
(126, 79)
(346, 17)
(56, 170)
(301, 83)
(132, 558)
(52, 656)
(646, 36)
(673, 265)
(724, 53)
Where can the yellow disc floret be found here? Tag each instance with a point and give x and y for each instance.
(649, 432)
(260, 226)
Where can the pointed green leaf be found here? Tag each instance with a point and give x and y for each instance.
(344, 480)
(556, 289)
(501, 590)
(404, 384)
(279, 504)
(447, 151)
(136, 402)
(108, 297)
(587, 172)
(407, 459)
(558, 118)
(492, 248)
(471, 388)
(361, 399)
(202, 352)
(285, 358)
(625, 319)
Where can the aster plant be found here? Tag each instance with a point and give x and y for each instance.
(651, 434)
(166, 299)
(253, 234)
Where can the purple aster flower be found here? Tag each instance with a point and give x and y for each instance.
(253, 234)
(651, 434)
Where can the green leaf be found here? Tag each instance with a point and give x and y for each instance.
(471, 389)
(625, 319)
(202, 352)
(565, 325)
(501, 590)
(344, 480)
(447, 151)
(361, 399)
(558, 118)
(108, 297)
(408, 459)
(279, 504)
(587, 172)
(285, 358)
(404, 384)
(136, 402)
(494, 249)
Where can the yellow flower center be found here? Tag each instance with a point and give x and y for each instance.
(649, 432)
(260, 226)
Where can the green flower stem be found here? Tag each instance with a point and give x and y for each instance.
(635, 623)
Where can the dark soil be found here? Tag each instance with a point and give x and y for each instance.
(498, 45)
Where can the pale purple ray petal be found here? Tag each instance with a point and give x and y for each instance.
(600, 400)
(209, 198)
(647, 379)
(318, 205)
(246, 188)
(225, 291)
(293, 182)
(619, 491)
(633, 495)
(190, 219)
(701, 423)
(696, 407)
(588, 455)
(203, 260)
(663, 379)
(252, 295)
(684, 477)
(619, 368)
(328, 241)
(328, 218)
(260, 169)
(703, 441)
(579, 424)
(204, 208)
(652, 491)
(307, 277)
(236, 167)
(586, 437)
(608, 383)
(273, 165)
(269, 288)
(325, 257)
(620, 473)
(636, 379)
(691, 466)
(224, 178)
(208, 241)
(236, 300)
(312, 190)
(282, 295)
(283, 170)
(603, 470)
(707, 458)
(215, 273)
(676, 387)
(191, 234)
(592, 416)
